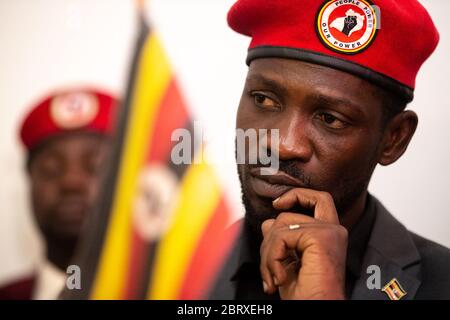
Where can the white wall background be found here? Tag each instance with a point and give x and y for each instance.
(46, 44)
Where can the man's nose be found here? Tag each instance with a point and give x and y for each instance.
(294, 141)
(74, 179)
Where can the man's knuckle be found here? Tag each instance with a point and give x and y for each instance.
(326, 196)
(343, 231)
(262, 248)
(277, 234)
(327, 237)
(283, 216)
(339, 235)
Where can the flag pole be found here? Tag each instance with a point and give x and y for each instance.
(140, 8)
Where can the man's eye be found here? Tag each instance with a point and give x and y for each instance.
(263, 101)
(94, 165)
(332, 121)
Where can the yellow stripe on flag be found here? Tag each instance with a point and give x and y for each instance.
(152, 81)
(199, 196)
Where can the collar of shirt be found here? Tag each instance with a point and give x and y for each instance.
(359, 237)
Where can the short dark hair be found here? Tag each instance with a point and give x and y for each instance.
(393, 104)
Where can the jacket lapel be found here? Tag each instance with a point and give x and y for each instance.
(224, 288)
(390, 248)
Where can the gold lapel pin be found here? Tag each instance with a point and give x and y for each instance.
(394, 290)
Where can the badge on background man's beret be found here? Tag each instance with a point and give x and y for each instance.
(77, 109)
(74, 110)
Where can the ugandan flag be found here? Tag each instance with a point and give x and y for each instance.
(159, 228)
(394, 290)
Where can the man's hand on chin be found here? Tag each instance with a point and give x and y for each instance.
(304, 257)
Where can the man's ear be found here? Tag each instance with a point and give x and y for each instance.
(397, 136)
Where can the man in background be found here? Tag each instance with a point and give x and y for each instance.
(67, 137)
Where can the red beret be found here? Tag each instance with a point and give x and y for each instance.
(383, 41)
(78, 109)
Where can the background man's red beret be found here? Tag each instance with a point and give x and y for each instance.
(81, 109)
(383, 41)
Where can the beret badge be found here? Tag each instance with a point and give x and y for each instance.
(74, 110)
(347, 26)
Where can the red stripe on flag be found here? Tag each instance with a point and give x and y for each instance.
(137, 267)
(209, 255)
(172, 114)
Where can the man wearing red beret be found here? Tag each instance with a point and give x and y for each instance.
(67, 136)
(334, 78)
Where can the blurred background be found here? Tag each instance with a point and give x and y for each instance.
(48, 44)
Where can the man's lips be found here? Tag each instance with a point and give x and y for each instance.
(70, 211)
(272, 186)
